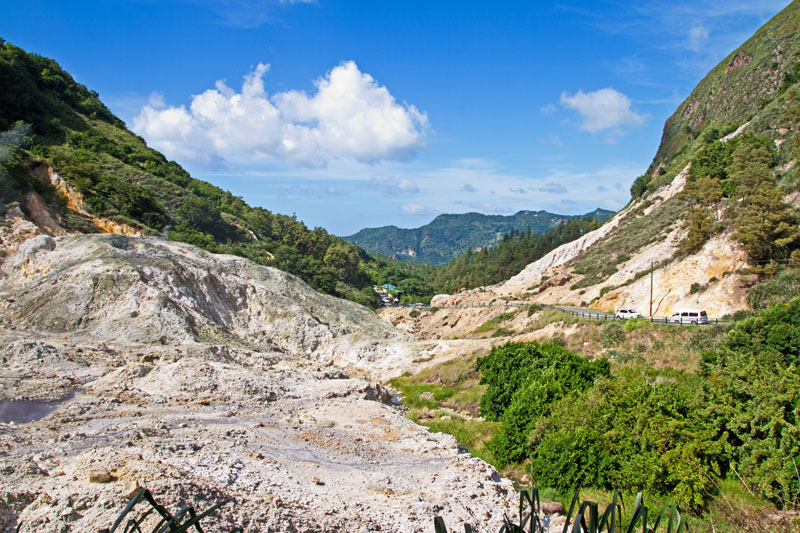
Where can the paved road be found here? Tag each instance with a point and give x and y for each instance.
(584, 310)
(592, 313)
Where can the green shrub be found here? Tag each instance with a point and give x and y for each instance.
(613, 334)
(775, 331)
(640, 429)
(782, 288)
(523, 380)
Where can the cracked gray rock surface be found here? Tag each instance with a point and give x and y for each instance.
(202, 377)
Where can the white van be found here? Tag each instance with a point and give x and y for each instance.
(689, 316)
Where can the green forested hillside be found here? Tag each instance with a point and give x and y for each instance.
(514, 252)
(448, 236)
(49, 119)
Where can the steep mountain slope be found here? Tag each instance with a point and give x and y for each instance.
(68, 161)
(710, 218)
(448, 236)
(751, 86)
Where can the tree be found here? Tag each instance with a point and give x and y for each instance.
(344, 259)
(199, 213)
(698, 226)
(766, 226)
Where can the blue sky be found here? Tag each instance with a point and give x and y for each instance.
(355, 114)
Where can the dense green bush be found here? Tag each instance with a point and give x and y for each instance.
(782, 288)
(644, 429)
(773, 331)
(753, 397)
(665, 431)
(523, 380)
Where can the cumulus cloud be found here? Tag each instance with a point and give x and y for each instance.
(553, 188)
(520, 190)
(394, 186)
(548, 109)
(468, 188)
(348, 116)
(604, 110)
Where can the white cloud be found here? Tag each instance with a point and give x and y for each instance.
(548, 109)
(604, 110)
(468, 188)
(697, 38)
(553, 188)
(490, 207)
(566, 207)
(349, 116)
(394, 186)
(415, 209)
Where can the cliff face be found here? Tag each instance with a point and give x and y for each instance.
(707, 279)
(201, 377)
(751, 78)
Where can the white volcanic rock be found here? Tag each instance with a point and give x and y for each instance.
(203, 377)
(147, 290)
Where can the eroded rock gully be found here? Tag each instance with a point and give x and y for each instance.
(203, 377)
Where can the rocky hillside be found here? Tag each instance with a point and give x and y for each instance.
(447, 236)
(64, 154)
(203, 376)
(713, 217)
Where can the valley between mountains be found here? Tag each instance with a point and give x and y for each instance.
(157, 332)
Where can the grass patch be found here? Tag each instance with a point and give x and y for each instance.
(632, 234)
(471, 434)
(445, 398)
(494, 323)
(551, 315)
(503, 332)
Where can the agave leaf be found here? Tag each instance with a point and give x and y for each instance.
(438, 525)
(609, 518)
(576, 527)
(639, 512)
(571, 509)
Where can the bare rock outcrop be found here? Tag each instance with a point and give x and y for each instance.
(202, 377)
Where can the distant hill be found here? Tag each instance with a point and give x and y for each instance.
(448, 236)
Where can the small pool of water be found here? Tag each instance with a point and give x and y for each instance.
(24, 411)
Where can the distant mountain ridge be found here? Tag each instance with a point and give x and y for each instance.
(447, 236)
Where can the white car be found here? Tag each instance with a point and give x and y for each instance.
(627, 313)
